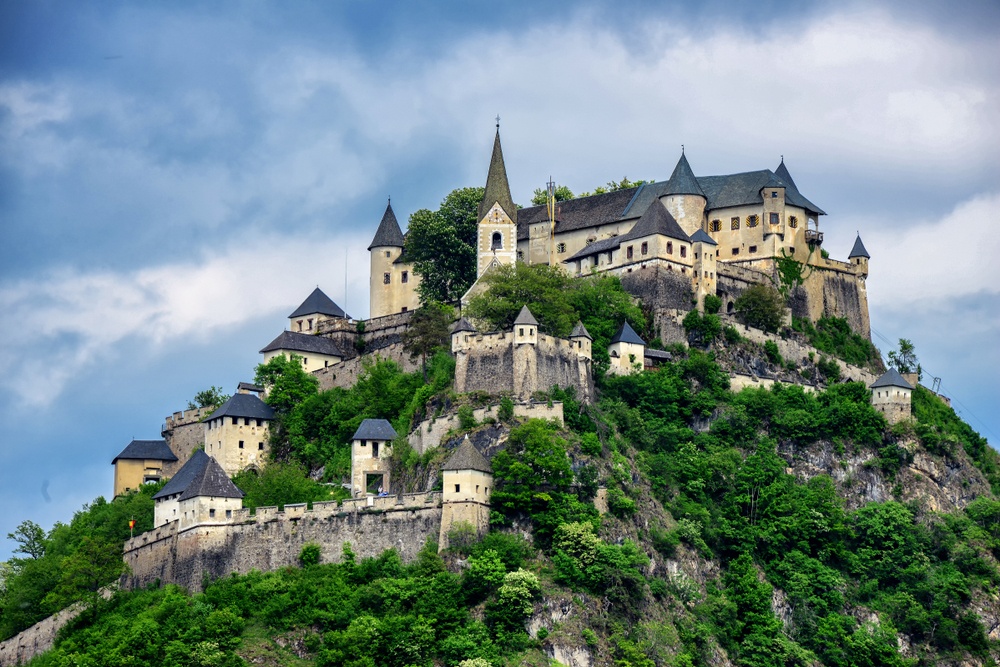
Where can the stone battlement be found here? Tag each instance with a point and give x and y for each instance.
(185, 417)
(430, 432)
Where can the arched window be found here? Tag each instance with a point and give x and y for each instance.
(497, 243)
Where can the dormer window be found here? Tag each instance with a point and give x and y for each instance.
(497, 243)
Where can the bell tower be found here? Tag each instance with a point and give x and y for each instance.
(497, 235)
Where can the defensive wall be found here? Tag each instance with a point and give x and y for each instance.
(270, 538)
(41, 636)
(495, 364)
(430, 432)
(183, 432)
(345, 374)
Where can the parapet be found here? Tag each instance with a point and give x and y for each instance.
(185, 417)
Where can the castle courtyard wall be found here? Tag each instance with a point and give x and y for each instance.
(272, 539)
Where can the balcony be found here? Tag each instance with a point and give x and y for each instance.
(814, 237)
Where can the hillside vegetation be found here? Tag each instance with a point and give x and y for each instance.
(713, 549)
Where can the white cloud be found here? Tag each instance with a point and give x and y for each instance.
(58, 325)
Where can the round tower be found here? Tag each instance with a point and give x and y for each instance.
(684, 198)
(391, 281)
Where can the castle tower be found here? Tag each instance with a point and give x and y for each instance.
(465, 498)
(201, 492)
(462, 335)
(392, 283)
(891, 396)
(627, 351)
(581, 340)
(237, 434)
(525, 328)
(141, 462)
(684, 198)
(497, 236)
(371, 450)
(859, 258)
(704, 280)
(316, 308)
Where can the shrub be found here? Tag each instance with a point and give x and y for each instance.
(713, 304)
(761, 306)
(466, 418)
(589, 637)
(829, 369)
(731, 335)
(619, 504)
(461, 536)
(773, 355)
(701, 330)
(590, 444)
(310, 554)
(506, 410)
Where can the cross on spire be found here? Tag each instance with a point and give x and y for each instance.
(498, 121)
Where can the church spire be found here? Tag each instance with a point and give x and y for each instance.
(388, 235)
(497, 187)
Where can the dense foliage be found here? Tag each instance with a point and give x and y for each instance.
(834, 336)
(760, 306)
(72, 561)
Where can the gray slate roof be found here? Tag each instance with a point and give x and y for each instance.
(497, 187)
(244, 405)
(580, 331)
(200, 476)
(782, 173)
(294, 341)
(700, 236)
(320, 303)
(859, 249)
(891, 378)
(656, 220)
(375, 429)
(626, 334)
(388, 234)
(247, 386)
(463, 325)
(146, 449)
(659, 355)
(683, 181)
(525, 317)
(597, 247)
(467, 457)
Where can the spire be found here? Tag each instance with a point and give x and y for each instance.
(497, 187)
(580, 331)
(782, 173)
(859, 249)
(467, 457)
(525, 317)
(626, 334)
(682, 181)
(389, 235)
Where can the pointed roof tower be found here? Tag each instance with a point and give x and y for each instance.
(656, 220)
(700, 236)
(782, 173)
(497, 187)
(525, 317)
(320, 303)
(389, 234)
(580, 331)
(467, 457)
(683, 181)
(626, 334)
(859, 249)
(891, 378)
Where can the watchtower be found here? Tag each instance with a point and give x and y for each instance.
(891, 395)
(467, 477)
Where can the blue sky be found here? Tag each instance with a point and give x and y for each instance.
(176, 178)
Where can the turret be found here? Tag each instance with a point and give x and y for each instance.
(392, 286)
(891, 395)
(684, 197)
(704, 280)
(627, 351)
(525, 328)
(462, 335)
(316, 308)
(371, 449)
(497, 235)
(467, 478)
(859, 257)
(237, 434)
(581, 340)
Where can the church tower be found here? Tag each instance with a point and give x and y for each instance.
(497, 236)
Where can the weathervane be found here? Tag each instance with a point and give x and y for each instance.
(498, 121)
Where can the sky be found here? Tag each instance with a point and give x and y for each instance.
(175, 178)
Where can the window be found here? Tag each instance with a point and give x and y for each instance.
(375, 450)
(458, 488)
(595, 260)
(241, 444)
(791, 250)
(684, 251)
(386, 278)
(734, 223)
(520, 255)
(404, 309)
(406, 277)
(752, 220)
(753, 248)
(774, 218)
(628, 252)
(388, 253)
(793, 222)
(520, 331)
(716, 226)
(774, 194)
(229, 514)
(670, 248)
(236, 421)
(310, 323)
(644, 248)
(260, 446)
(299, 324)
(497, 243)
(560, 247)
(736, 251)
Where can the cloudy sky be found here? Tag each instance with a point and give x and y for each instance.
(175, 179)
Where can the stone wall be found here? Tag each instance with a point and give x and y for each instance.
(346, 373)
(183, 432)
(495, 364)
(37, 639)
(271, 539)
(657, 287)
(430, 432)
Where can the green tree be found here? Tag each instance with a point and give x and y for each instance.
(428, 332)
(30, 539)
(761, 306)
(540, 195)
(212, 397)
(441, 245)
(278, 484)
(287, 383)
(904, 359)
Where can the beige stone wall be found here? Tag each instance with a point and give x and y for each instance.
(309, 323)
(203, 510)
(465, 498)
(392, 286)
(370, 456)
(893, 402)
(184, 433)
(496, 221)
(311, 361)
(271, 539)
(473, 513)
(576, 240)
(430, 432)
(345, 374)
(130, 474)
(223, 438)
(688, 211)
(626, 358)
(40, 637)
